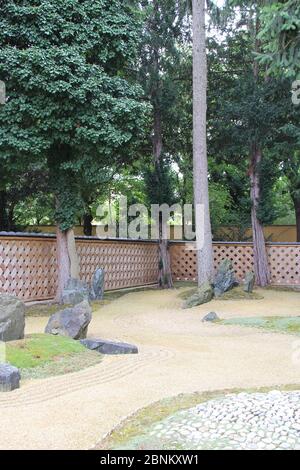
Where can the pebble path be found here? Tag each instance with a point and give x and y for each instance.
(258, 421)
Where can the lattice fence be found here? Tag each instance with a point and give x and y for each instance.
(284, 261)
(28, 264)
(28, 267)
(126, 264)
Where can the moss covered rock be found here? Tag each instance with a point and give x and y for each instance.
(203, 295)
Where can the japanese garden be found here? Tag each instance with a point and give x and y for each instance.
(149, 225)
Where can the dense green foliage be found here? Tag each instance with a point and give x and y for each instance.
(280, 36)
(71, 109)
(96, 89)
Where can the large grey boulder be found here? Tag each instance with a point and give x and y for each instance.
(249, 282)
(76, 291)
(97, 285)
(12, 318)
(225, 278)
(9, 378)
(203, 295)
(72, 322)
(109, 347)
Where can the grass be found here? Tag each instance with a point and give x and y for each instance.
(41, 355)
(136, 424)
(279, 324)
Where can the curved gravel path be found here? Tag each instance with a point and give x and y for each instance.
(178, 354)
(257, 421)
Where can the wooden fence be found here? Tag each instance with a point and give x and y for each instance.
(284, 260)
(28, 263)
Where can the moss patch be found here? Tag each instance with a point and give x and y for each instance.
(47, 309)
(186, 294)
(238, 294)
(279, 324)
(283, 288)
(139, 422)
(234, 294)
(41, 355)
(43, 310)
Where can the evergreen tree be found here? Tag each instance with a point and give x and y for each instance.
(70, 105)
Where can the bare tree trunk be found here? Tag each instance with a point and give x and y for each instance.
(67, 260)
(157, 138)
(63, 262)
(3, 211)
(87, 224)
(297, 213)
(261, 265)
(165, 273)
(201, 195)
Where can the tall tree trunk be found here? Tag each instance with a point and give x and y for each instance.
(3, 211)
(261, 265)
(201, 195)
(67, 260)
(87, 224)
(297, 213)
(165, 273)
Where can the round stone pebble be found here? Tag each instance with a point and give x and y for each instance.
(237, 421)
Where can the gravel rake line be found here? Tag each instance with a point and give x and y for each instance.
(64, 386)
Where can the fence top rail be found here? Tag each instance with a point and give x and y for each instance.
(220, 242)
(52, 236)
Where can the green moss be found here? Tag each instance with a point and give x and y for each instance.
(234, 294)
(47, 309)
(63, 365)
(283, 288)
(41, 355)
(43, 310)
(186, 294)
(39, 349)
(281, 324)
(180, 284)
(238, 294)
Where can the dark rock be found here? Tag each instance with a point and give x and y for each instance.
(12, 318)
(97, 285)
(109, 347)
(210, 317)
(9, 378)
(76, 291)
(203, 295)
(249, 282)
(72, 322)
(225, 278)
